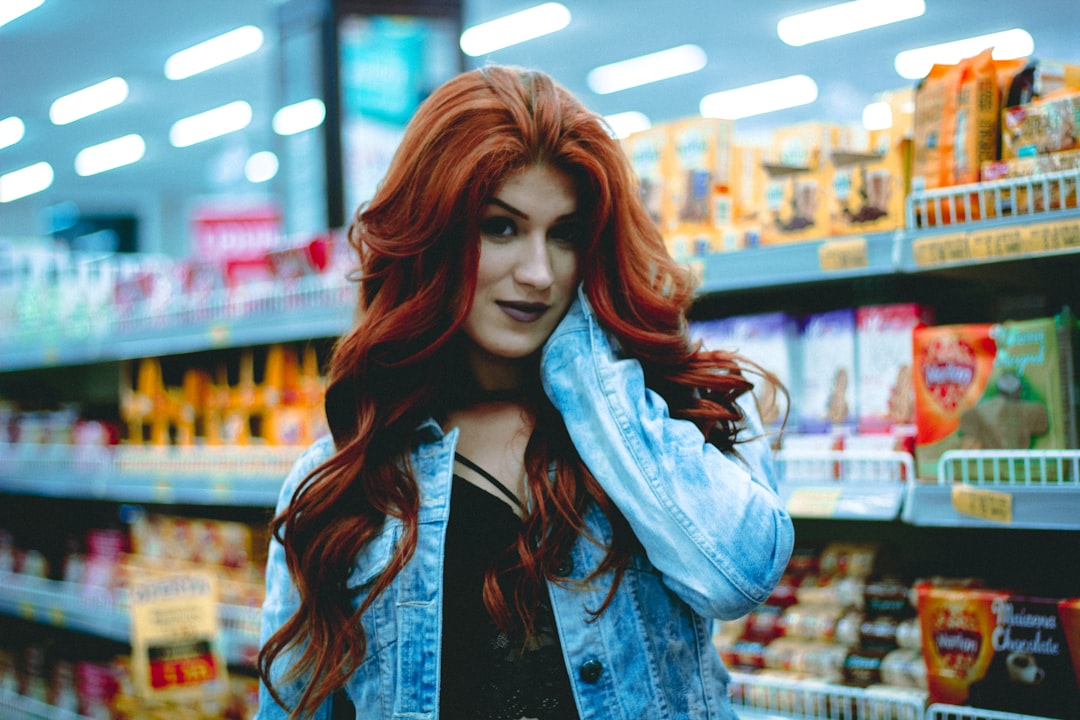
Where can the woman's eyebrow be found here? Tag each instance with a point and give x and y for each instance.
(514, 211)
(508, 208)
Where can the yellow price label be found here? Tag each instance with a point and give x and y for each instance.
(1052, 237)
(813, 502)
(941, 249)
(845, 254)
(992, 505)
(1005, 242)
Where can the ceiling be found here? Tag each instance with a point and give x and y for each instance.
(68, 44)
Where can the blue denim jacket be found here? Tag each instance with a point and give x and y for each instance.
(715, 537)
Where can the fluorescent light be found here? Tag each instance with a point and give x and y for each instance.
(299, 117)
(646, 69)
(1009, 44)
(213, 52)
(877, 116)
(108, 155)
(261, 167)
(210, 124)
(845, 18)
(11, 131)
(90, 100)
(25, 181)
(515, 28)
(627, 123)
(769, 96)
(11, 9)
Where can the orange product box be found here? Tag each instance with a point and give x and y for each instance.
(698, 182)
(869, 186)
(995, 386)
(999, 651)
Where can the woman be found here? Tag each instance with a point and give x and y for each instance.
(537, 489)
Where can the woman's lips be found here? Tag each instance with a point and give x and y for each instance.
(523, 312)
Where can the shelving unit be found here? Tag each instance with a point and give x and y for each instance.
(1042, 490)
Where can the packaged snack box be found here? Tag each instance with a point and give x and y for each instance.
(827, 396)
(1035, 197)
(1050, 124)
(769, 339)
(650, 157)
(798, 175)
(995, 650)
(885, 391)
(993, 386)
(698, 186)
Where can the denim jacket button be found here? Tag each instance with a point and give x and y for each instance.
(591, 670)
(565, 568)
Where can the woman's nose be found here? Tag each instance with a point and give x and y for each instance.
(534, 266)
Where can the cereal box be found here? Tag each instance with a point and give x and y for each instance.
(698, 185)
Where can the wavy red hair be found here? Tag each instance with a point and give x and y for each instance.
(418, 246)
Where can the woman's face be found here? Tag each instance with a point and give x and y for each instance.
(530, 232)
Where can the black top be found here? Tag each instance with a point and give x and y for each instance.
(486, 674)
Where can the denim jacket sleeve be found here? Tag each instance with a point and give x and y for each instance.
(282, 598)
(710, 522)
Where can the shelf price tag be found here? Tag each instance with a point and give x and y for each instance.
(1000, 243)
(813, 502)
(174, 631)
(1051, 237)
(941, 249)
(992, 505)
(844, 254)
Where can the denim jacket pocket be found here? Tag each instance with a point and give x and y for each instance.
(371, 562)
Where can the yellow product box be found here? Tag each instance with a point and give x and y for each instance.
(1035, 197)
(869, 187)
(798, 175)
(698, 183)
(650, 157)
(747, 189)
(1047, 125)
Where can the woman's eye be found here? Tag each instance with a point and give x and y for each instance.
(498, 226)
(569, 234)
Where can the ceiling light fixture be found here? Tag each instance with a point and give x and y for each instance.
(210, 124)
(261, 166)
(12, 130)
(1009, 44)
(25, 181)
(298, 117)
(845, 18)
(646, 69)
(109, 155)
(760, 98)
(216, 51)
(877, 116)
(515, 28)
(16, 8)
(625, 124)
(83, 103)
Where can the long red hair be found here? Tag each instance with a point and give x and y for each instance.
(418, 246)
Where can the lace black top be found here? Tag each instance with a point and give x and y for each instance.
(487, 675)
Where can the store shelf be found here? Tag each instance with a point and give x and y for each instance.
(19, 707)
(800, 262)
(768, 697)
(843, 484)
(954, 712)
(1034, 490)
(95, 611)
(249, 476)
(262, 313)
